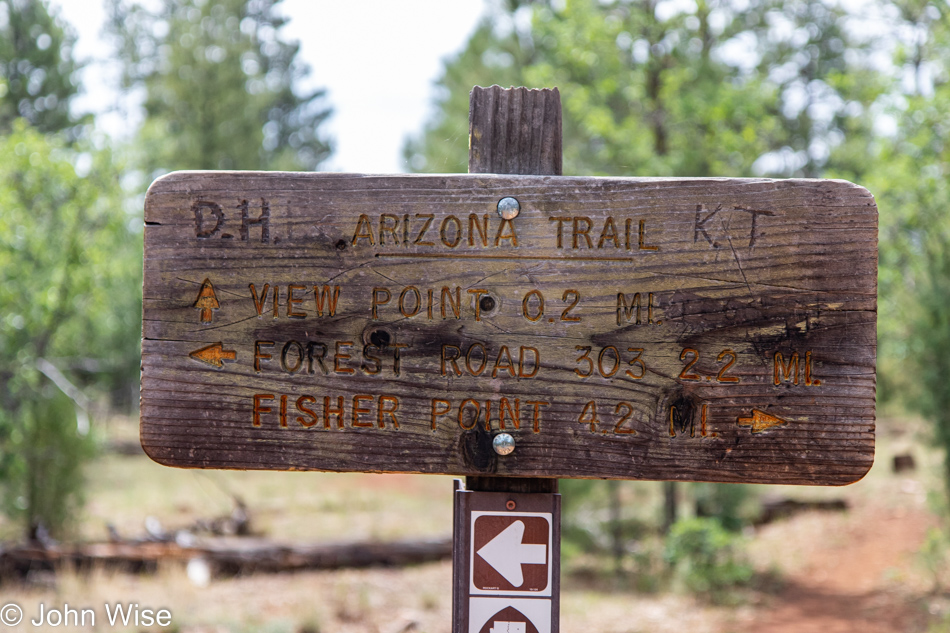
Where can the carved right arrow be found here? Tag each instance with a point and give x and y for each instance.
(214, 355)
(761, 421)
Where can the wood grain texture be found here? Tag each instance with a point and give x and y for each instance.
(514, 131)
(763, 296)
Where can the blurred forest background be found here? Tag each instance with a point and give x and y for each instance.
(797, 88)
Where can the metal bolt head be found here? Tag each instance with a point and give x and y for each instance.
(503, 444)
(508, 208)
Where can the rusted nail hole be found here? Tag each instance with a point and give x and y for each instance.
(341, 245)
(486, 303)
(380, 338)
(510, 505)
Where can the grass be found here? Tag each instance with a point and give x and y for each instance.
(290, 506)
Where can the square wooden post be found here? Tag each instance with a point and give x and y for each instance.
(511, 131)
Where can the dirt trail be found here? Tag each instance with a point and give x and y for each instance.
(850, 582)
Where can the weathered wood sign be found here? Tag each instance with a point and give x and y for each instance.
(705, 330)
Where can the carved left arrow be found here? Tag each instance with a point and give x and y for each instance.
(214, 355)
(761, 421)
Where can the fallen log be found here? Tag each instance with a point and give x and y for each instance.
(224, 556)
(775, 508)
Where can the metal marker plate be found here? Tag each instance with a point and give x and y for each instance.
(706, 330)
(507, 562)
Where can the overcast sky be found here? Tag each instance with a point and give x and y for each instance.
(378, 60)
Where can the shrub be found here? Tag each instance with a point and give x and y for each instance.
(705, 557)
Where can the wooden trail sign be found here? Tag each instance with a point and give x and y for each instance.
(698, 330)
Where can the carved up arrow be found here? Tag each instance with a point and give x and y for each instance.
(761, 421)
(214, 355)
(207, 301)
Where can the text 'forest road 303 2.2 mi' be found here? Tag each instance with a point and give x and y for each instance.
(694, 329)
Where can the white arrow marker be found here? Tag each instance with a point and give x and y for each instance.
(506, 553)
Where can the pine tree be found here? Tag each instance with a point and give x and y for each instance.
(69, 287)
(654, 88)
(220, 87)
(911, 181)
(37, 69)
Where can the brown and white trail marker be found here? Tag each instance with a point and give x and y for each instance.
(506, 566)
(633, 328)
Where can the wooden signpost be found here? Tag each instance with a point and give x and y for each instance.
(636, 328)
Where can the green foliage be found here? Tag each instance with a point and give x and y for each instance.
(652, 89)
(820, 63)
(706, 558)
(221, 87)
(912, 185)
(645, 95)
(609, 528)
(37, 69)
(596, 516)
(69, 291)
(47, 469)
(732, 504)
(711, 88)
(494, 54)
(943, 626)
(934, 556)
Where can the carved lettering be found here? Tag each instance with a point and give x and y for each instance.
(454, 306)
(416, 302)
(511, 236)
(202, 231)
(386, 227)
(626, 311)
(388, 405)
(302, 407)
(450, 231)
(259, 355)
(364, 231)
(584, 232)
(292, 300)
(474, 227)
(291, 357)
(477, 356)
(327, 299)
(258, 408)
(470, 411)
(259, 304)
(358, 408)
(794, 370)
(428, 217)
(263, 220)
(609, 232)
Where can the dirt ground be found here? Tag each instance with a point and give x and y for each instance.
(856, 579)
(835, 572)
(840, 573)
